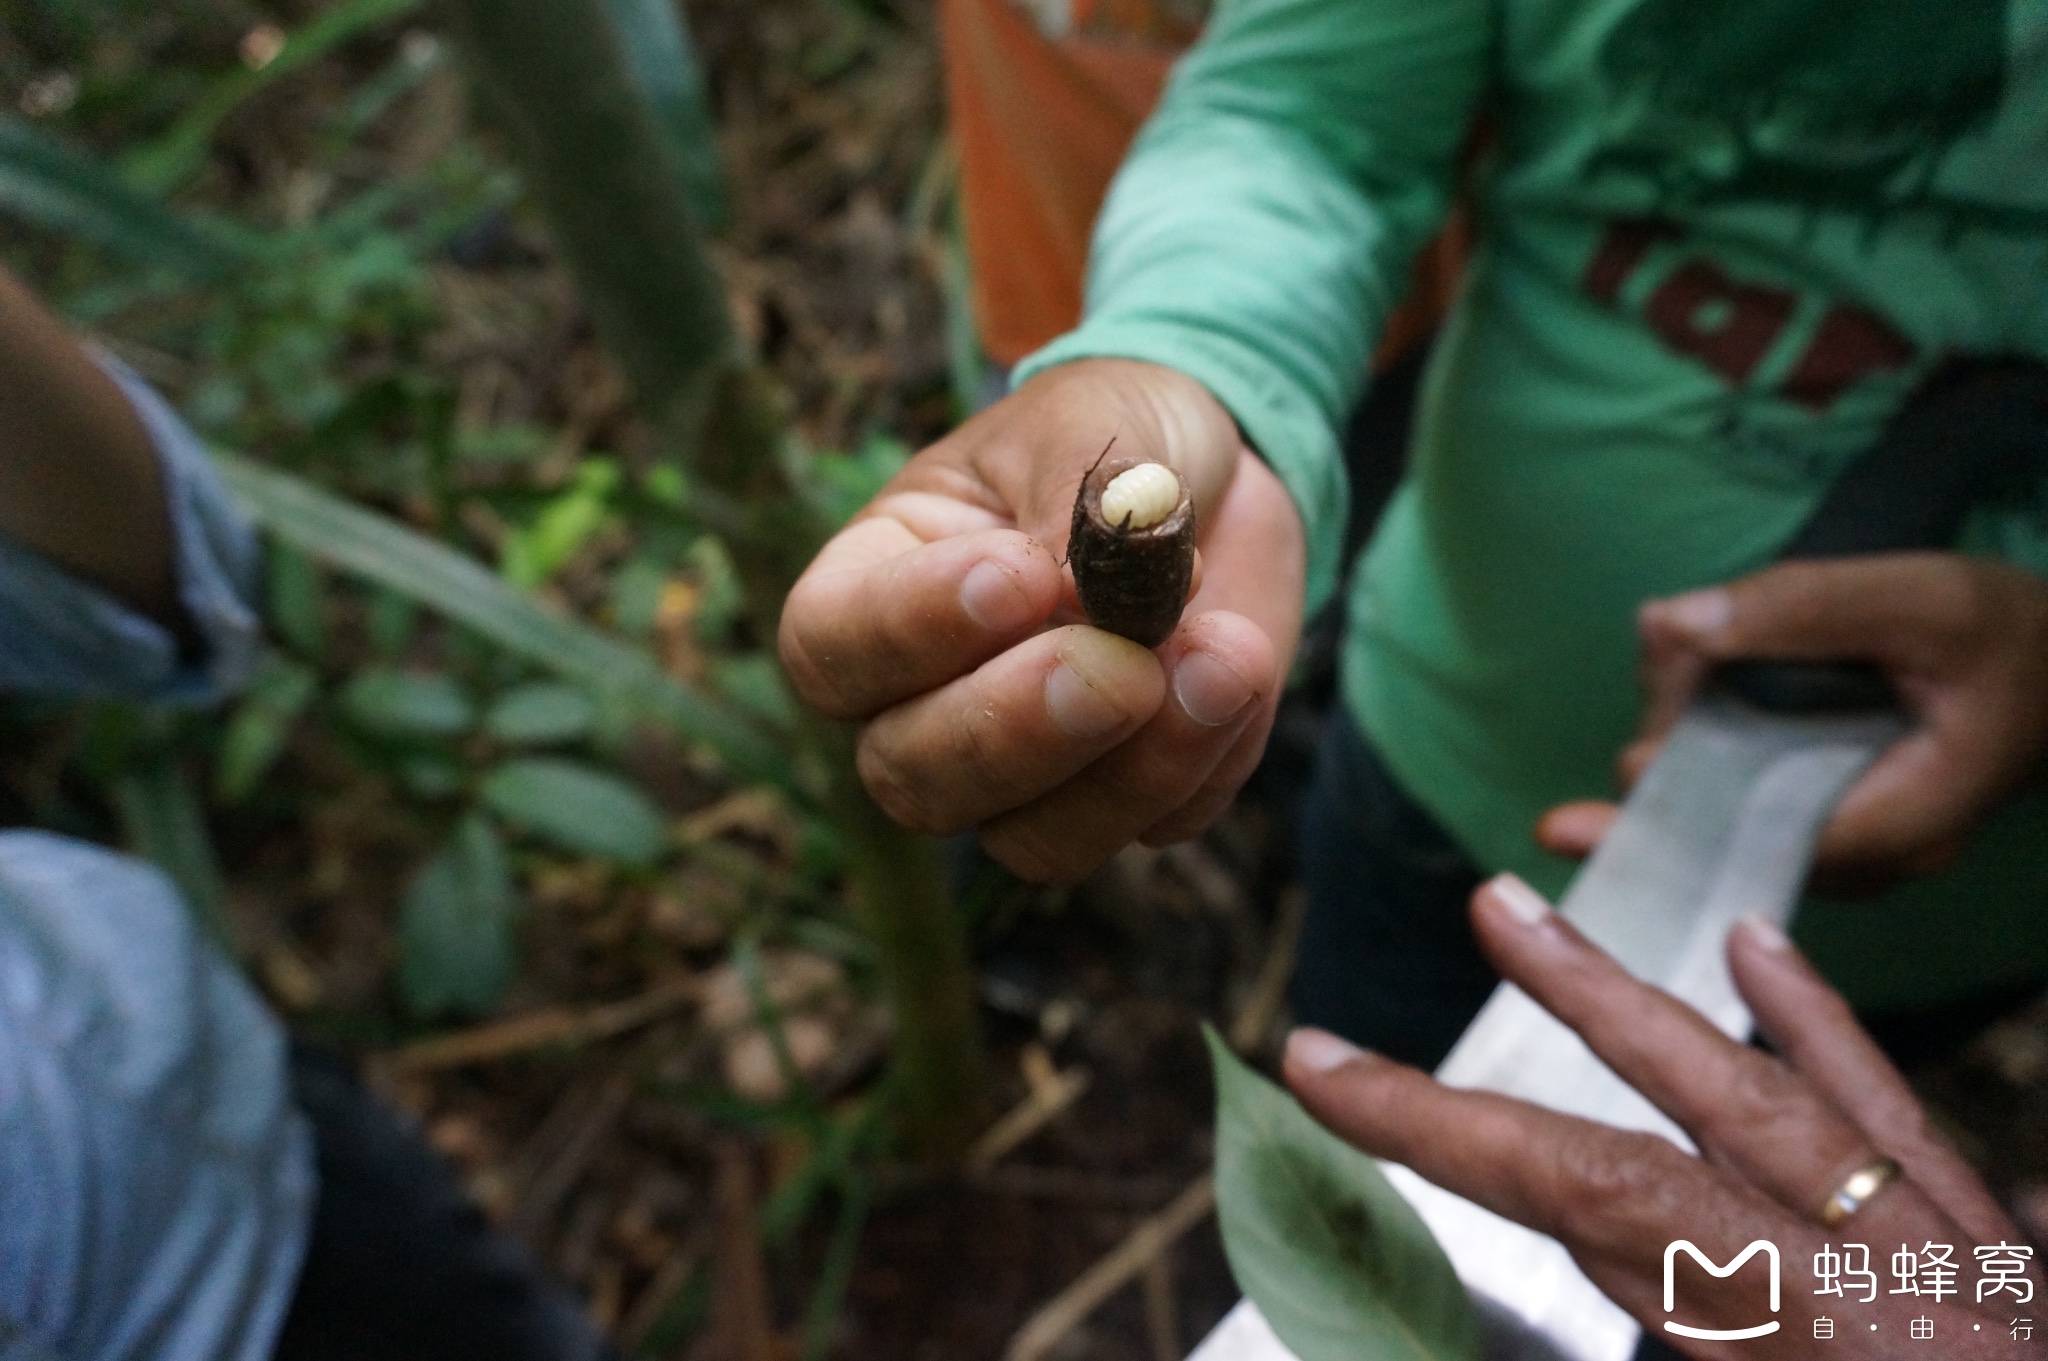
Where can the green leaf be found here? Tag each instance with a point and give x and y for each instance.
(297, 611)
(663, 63)
(577, 807)
(564, 525)
(72, 195)
(1338, 1262)
(261, 723)
(407, 703)
(542, 712)
(381, 550)
(164, 821)
(456, 951)
(754, 682)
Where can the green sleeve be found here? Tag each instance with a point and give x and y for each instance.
(1264, 224)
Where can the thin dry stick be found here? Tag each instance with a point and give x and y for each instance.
(1269, 990)
(1026, 1118)
(661, 1290)
(742, 1328)
(1162, 1311)
(539, 1030)
(1064, 1312)
(544, 1196)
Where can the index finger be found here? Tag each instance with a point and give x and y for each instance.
(885, 612)
(1610, 1193)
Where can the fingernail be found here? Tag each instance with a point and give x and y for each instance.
(1319, 1051)
(1077, 707)
(1523, 903)
(1766, 933)
(992, 598)
(1210, 691)
(1701, 613)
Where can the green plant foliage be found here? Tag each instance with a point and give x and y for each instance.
(165, 164)
(330, 528)
(392, 703)
(261, 723)
(578, 808)
(296, 606)
(456, 947)
(541, 713)
(165, 822)
(663, 64)
(1338, 1262)
(564, 525)
(46, 183)
(755, 683)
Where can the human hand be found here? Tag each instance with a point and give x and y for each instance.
(1777, 1135)
(942, 620)
(1965, 643)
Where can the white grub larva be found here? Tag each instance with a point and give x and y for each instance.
(1146, 494)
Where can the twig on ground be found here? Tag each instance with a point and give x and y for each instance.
(538, 1030)
(1261, 1007)
(1051, 1092)
(661, 1290)
(558, 1176)
(1162, 1311)
(742, 1328)
(1144, 1245)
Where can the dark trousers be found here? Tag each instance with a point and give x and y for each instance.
(1387, 957)
(401, 1265)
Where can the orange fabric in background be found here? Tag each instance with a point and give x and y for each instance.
(1040, 126)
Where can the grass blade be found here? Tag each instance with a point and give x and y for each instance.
(330, 527)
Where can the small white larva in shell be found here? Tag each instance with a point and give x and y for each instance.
(1147, 494)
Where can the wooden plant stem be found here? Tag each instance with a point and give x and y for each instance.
(553, 76)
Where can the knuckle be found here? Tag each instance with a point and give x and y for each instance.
(1595, 1183)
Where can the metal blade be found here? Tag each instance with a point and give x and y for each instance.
(1721, 826)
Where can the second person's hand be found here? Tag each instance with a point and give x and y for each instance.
(942, 619)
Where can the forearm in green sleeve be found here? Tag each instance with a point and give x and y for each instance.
(1264, 225)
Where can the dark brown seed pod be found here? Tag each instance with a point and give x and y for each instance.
(1133, 575)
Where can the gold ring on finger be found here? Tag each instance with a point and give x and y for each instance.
(1856, 1190)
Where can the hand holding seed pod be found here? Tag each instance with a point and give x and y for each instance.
(1132, 546)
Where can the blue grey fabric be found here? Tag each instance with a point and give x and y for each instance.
(156, 1183)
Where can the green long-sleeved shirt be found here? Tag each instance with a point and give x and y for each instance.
(1718, 244)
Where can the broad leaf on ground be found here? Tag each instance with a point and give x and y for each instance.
(394, 703)
(1337, 1261)
(541, 712)
(456, 951)
(577, 807)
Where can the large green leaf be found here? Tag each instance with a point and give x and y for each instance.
(331, 528)
(70, 194)
(663, 63)
(456, 950)
(540, 713)
(393, 703)
(1338, 1262)
(578, 807)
